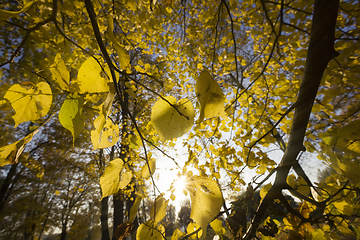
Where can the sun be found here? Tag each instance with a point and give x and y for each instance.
(179, 185)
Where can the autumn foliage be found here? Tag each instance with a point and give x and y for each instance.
(233, 81)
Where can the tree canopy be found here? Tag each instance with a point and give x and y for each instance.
(233, 80)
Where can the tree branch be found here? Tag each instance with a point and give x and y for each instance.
(320, 52)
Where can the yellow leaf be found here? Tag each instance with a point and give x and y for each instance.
(134, 209)
(217, 226)
(149, 231)
(264, 190)
(145, 170)
(172, 197)
(30, 102)
(206, 200)
(192, 227)
(70, 115)
(10, 154)
(60, 73)
(91, 78)
(7, 14)
(177, 234)
(210, 96)
(158, 210)
(167, 120)
(261, 169)
(345, 138)
(106, 134)
(318, 234)
(124, 57)
(114, 178)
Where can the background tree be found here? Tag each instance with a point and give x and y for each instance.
(184, 214)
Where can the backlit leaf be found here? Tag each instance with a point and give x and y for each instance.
(124, 57)
(91, 78)
(7, 14)
(10, 154)
(217, 226)
(106, 134)
(264, 190)
(210, 96)
(177, 234)
(167, 120)
(134, 209)
(150, 231)
(30, 102)
(70, 115)
(192, 227)
(158, 209)
(206, 200)
(114, 178)
(318, 234)
(145, 170)
(59, 73)
(345, 138)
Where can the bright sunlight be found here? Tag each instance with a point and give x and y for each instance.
(178, 187)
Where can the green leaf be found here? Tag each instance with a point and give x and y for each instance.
(115, 177)
(145, 170)
(106, 134)
(134, 209)
(91, 78)
(10, 154)
(149, 231)
(210, 96)
(7, 14)
(70, 115)
(158, 210)
(167, 120)
(60, 74)
(206, 200)
(30, 101)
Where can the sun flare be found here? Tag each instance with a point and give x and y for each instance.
(179, 185)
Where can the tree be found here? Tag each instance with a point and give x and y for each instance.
(49, 188)
(265, 75)
(184, 214)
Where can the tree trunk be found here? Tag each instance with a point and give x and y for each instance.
(63, 231)
(118, 200)
(320, 52)
(4, 190)
(104, 219)
(129, 204)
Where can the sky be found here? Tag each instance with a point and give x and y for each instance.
(166, 170)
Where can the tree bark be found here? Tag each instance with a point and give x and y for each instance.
(104, 219)
(63, 231)
(118, 200)
(320, 52)
(5, 187)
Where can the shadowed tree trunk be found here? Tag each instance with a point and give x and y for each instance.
(104, 219)
(320, 52)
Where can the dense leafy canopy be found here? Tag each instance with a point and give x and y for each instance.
(124, 76)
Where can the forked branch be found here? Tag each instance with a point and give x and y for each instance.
(320, 52)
